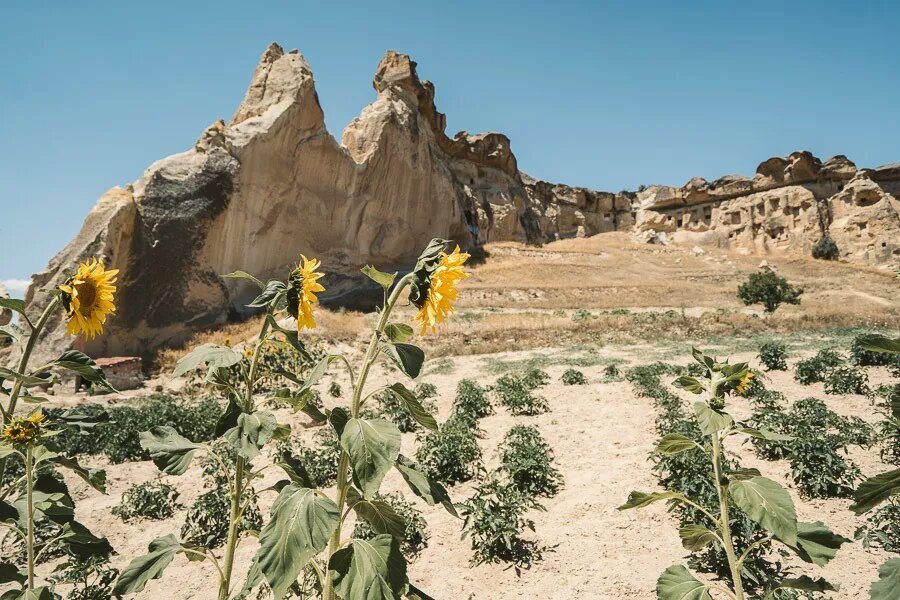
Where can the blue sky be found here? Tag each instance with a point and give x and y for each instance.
(604, 95)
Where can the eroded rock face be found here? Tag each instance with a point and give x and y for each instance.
(789, 205)
(5, 313)
(255, 192)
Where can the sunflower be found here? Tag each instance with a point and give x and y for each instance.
(442, 290)
(88, 298)
(744, 383)
(22, 430)
(302, 289)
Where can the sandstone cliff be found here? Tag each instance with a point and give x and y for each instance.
(272, 182)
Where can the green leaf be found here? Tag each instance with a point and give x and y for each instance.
(12, 332)
(688, 384)
(415, 408)
(13, 304)
(294, 469)
(415, 593)
(373, 446)
(767, 503)
(888, 585)
(38, 593)
(149, 566)
(398, 332)
(385, 280)
(248, 277)
(816, 543)
(77, 417)
(170, 451)
(229, 418)
(84, 365)
(641, 499)
(701, 358)
(407, 357)
(299, 528)
(765, 434)
(808, 584)
(696, 537)
(337, 418)
(432, 492)
(214, 356)
(368, 569)
(674, 443)
(711, 420)
(677, 583)
(879, 343)
(875, 490)
(96, 478)
(270, 292)
(251, 433)
(380, 515)
(10, 573)
(82, 543)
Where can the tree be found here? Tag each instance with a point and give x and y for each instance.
(767, 288)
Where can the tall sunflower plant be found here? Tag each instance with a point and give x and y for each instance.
(763, 500)
(307, 531)
(32, 494)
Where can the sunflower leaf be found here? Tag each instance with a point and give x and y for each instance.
(385, 280)
(84, 365)
(213, 355)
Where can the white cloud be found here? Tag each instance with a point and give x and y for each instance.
(16, 287)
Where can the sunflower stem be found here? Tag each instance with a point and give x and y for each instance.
(29, 514)
(237, 491)
(343, 478)
(728, 544)
(23, 365)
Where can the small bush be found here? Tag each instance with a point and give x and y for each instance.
(494, 520)
(415, 532)
(773, 356)
(769, 289)
(826, 249)
(91, 577)
(847, 380)
(206, 522)
(611, 373)
(882, 528)
(153, 500)
(528, 462)
(573, 377)
(866, 358)
(471, 401)
(334, 390)
(819, 471)
(451, 455)
(321, 460)
(393, 409)
(535, 378)
(815, 369)
(516, 395)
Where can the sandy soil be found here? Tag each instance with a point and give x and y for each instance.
(601, 434)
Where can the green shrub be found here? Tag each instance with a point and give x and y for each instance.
(206, 522)
(119, 439)
(767, 288)
(866, 358)
(816, 368)
(819, 471)
(321, 460)
(573, 377)
(494, 520)
(528, 462)
(334, 390)
(611, 373)
(535, 378)
(91, 577)
(153, 500)
(425, 390)
(515, 393)
(773, 356)
(451, 455)
(415, 529)
(847, 380)
(826, 249)
(471, 401)
(882, 528)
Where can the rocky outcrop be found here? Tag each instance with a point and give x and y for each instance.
(270, 183)
(790, 204)
(5, 313)
(256, 191)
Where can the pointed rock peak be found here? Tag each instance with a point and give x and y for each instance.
(279, 76)
(396, 70)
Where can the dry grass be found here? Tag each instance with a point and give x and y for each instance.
(524, 298)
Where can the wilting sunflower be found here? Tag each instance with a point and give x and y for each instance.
(442, 290)
(22, 430)
(303, 285)
(744, 383)
(88, 298)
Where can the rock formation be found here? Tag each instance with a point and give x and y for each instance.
(790, 204)
(271, 183)
(5, 313)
